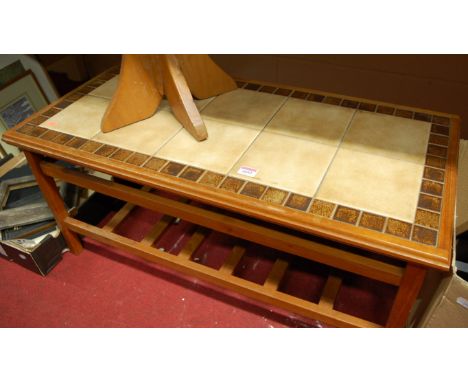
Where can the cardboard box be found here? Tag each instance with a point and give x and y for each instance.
(40, 255)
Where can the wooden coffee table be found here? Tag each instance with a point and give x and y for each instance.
(360, 186)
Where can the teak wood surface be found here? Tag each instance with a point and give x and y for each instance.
(416, 257)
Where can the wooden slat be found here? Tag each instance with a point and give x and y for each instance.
(222, 279)
(157, 230)
(121, 214)
(332, 286)
(194, 242)
(276, 274)
(233, 259)
(285, 242)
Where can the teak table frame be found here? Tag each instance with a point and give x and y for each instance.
(407, 274)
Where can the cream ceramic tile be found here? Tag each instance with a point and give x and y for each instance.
(82, 118)
(146, 136)
(311, 120)
(252, 109)
(107, 89)
(392, 137)
(287, 162)
(373, 183)
(224, 146)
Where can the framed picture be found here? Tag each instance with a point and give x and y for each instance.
(19, 99)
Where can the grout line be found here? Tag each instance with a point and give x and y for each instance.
(335, 154)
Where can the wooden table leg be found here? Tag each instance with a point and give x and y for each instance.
(407, 293)
(54, 200)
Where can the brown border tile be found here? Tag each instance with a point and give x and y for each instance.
(232, 184)
(62, 138)
(423, 117)
(192, 173)
(438, 129)
(429, 202)
(404, 113)
(427, 218)
(350, 104)
(76, 142)
(372, 221)
(275, 195)
(50, 135)
(51, 112)
(38, 120)
(346, 215)
(437, 151)
(315, 97)
(367, 107)
(267, 89)
(424, 235)
(433, 188)
(211, 179)
(121, 155)
(382, 109)
(251, 86)
(434, 174)
(322, 208)
(254, 190)
(300, 95)
(438, 140)
(240, 84)
(106, 150)
(63, 104)
(439, 120)
(398, 228)
(155, 164)
(332, 100)
(298, 202)
(90, 146)
(283, 92)
(435, 161)
(173, 168)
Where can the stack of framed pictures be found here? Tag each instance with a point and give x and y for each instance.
(20, 96)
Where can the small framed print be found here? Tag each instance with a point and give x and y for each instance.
(19, 99)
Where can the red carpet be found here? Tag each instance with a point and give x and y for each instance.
(105, 287)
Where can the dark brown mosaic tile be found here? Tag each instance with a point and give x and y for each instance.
(191, 173)
(438, 140)
(137, 159)
(90, 146)
(211, 179)
(74, 97)
(86, 89)
(38, 120)
(232, 184)
(173, 168)
(283, 92)
(322, 208)
(367, 106)
(253, 190)
(268, 89)
(404, 113)
(50, 135)
(62, 138)
(429, 202)
(240, 84)
(385, 110)
(346, 214)
(50, 112)
(438, 129)
(349, 103)
(63, 104)
(424, 235)
(441, 120)
(372, 221)
(300, 95)
(430, 187)
(106, 150)
(437, 151)
(155, 164)
(398, 228)
(121, 155)
(108, 75)
(423, 117)
(76, 142)
(435, 161)
(252, 86)
(315, 97)
(434, 174)
(273, 195)
(332, 100)
(33, 131)
(298, 202)
(427, 219)
(97, 83)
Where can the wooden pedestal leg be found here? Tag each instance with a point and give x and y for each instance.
(180, 98)
(54, 200)
(407, 293)
(138, 92)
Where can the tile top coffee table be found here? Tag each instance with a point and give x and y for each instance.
(373, 176)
